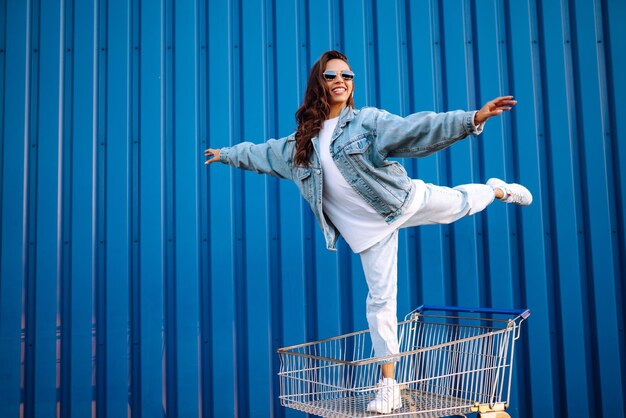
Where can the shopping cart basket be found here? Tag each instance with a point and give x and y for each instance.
(455, 362)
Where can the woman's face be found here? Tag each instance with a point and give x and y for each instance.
(340, 90)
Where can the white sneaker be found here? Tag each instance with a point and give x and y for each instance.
(513, 192)
(387, 397)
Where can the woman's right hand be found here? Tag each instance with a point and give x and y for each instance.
(215, 153)
(493, 108)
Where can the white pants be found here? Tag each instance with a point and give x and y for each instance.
(440, 205)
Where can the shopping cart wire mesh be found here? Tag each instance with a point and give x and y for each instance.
(449, 364)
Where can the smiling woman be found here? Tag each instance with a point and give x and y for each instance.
(339, 81)
(317, 104)
(338, 157)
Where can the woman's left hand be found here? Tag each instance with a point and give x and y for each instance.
(214, 153)
(493, 108)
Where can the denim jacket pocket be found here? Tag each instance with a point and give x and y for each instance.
(357, 152)
(304, 181)
(358, 145)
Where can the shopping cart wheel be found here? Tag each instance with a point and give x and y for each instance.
(498, 414)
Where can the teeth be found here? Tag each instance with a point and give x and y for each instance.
(339, 90)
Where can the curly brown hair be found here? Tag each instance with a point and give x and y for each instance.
(315, 108)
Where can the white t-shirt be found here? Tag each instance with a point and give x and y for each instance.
(359, 224)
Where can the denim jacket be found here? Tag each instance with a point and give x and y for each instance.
(360, 146)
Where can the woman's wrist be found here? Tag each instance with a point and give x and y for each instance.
(478, 121)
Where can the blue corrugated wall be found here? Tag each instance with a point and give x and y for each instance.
(135, 281)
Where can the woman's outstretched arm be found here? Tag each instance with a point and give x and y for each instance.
(271, 157)
(424, 133)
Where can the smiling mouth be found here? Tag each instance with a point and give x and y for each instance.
(339, 90)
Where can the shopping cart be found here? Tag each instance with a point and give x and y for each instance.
(452, 363)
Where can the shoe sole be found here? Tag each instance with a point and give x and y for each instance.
(383, 412)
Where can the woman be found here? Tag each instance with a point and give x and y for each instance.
(338, 158)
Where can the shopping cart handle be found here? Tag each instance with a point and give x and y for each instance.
(524, 313)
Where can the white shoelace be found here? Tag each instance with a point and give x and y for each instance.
(514, 197)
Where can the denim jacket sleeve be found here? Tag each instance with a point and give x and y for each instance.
(271, 157)
(423, 133)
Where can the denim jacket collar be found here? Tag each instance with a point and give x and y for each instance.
(346, 115)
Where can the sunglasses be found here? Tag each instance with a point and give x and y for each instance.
(330, 75)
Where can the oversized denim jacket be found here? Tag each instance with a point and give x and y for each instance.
(360, 146)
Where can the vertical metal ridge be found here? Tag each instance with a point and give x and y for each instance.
(511, 171)
(273, 214)
(14, 245)
(512, 154)
(336, 17)
(371, 96)
(470, 65)
(617, 182)
(374, 76)
(185, 144)
(570, 82)
(402, 42)
(153, 238)
(609, 130)
(204, 113)
(550, 211)
(115, 194)
(538, 78)
(129, 210)
(59, 259)
(345, 287)
(135, 276)
(605, 113)
(238, 201)
(605, 270)
(30, 202)
(95, 243)
(3, 45)
(410, 81)
(573, 137)
(603, 383)
(65, 191)
(560, 383)
(439, 62)
(169, 196)
(580, 163)
(101, 215)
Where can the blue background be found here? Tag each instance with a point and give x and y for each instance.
(133, 278)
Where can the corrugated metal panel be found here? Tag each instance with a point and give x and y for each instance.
(135, 281)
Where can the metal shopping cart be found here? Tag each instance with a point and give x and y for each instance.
(452, 361)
